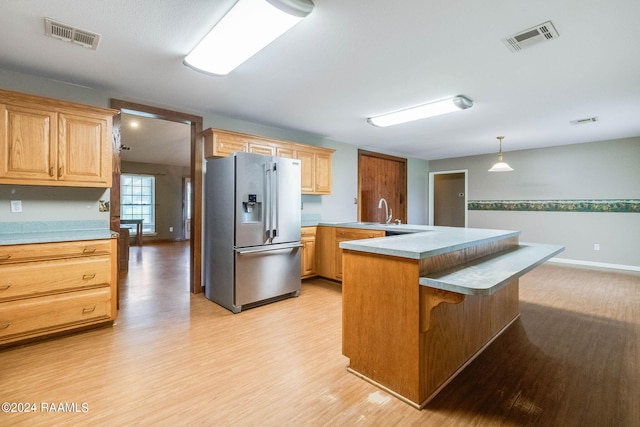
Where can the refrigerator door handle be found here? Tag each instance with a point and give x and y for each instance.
(267, 202)
(268, 249)
(275, 224)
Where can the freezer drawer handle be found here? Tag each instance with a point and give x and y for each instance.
(255, 251)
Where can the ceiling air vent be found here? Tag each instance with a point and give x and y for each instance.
(583, 121)
(539, 33)
(67, 33)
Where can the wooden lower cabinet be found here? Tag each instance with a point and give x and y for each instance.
(308, 256)
(48, 288)
(329, 254)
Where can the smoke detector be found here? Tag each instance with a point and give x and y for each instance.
(67, 33)
(534, 35)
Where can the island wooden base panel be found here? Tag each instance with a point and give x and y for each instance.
(443, 385)
(174, 358)
(410, 338)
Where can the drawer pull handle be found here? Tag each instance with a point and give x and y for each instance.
(5, 287)
(88, 276)
(89, 309)
(5, 257)
(89, 250)
(5, 325)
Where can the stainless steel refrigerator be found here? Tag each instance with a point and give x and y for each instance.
(251, 230)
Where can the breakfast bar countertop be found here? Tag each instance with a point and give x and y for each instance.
(421, 241)
(18, 233)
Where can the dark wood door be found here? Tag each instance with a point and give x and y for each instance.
(381, 176)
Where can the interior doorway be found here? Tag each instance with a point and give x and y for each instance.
(448, 198)
(195, 124)
(381, 176)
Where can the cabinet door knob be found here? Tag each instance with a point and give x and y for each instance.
(60, 172)
(51, 171)
(88, 276)
(89, 309)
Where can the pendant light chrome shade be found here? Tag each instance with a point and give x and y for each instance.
(501, 166)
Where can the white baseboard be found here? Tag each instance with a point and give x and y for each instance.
(595, 264)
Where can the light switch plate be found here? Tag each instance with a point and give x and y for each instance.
(16, 206)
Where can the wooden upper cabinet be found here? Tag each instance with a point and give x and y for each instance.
(315, 161)
(222, 144)
(265, 150)
(286, 152)
(28, 138)
(322, 173)
(307, 171)
(83, 157)
(44, 141)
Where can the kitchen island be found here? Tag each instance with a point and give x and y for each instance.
(419, 307)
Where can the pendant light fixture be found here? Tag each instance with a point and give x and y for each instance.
(501, 166)
(247, 28)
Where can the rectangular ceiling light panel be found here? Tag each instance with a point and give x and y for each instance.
(246, 29)
(67, 33)
(431, 109)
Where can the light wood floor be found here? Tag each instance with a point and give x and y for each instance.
(573, 359)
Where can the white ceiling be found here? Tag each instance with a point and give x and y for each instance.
(352, 59)
(155, 141)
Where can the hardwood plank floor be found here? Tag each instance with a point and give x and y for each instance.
(173, 358)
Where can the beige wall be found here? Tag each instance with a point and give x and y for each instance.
(597, 170)
(338, 206)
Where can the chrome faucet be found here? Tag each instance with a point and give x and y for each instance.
(388, 213)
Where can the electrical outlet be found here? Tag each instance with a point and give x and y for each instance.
(596, 246)
(103, 206)
(170, 229)
(16, 206)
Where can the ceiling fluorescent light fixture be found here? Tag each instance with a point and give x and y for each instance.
(247, 28)
(422, 111)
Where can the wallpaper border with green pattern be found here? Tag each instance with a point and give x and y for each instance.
(609, 205)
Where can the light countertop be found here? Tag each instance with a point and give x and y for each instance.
(486, 275)
(420, 241)
(18, 233)
(482, 276)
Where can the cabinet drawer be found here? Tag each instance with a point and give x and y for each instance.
(40, 251)
(33, 278)
(37, 315)
(308, 231)
(354, 234)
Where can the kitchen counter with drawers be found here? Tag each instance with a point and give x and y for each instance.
(55, 280)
